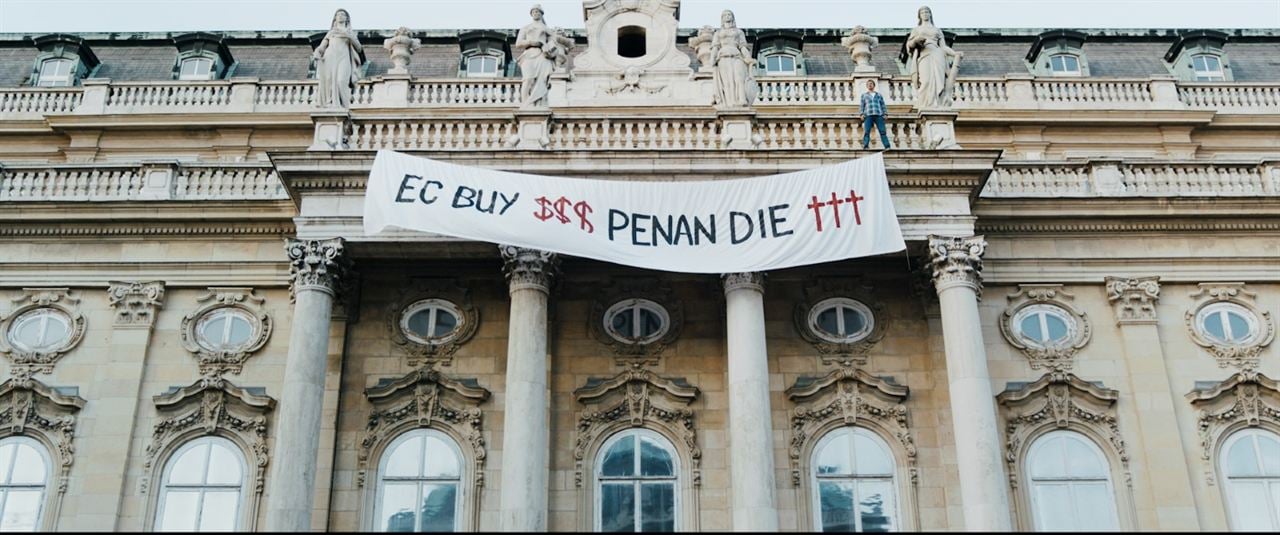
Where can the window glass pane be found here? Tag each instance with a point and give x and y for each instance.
(1239, 327)
(620, 459)
(1082, 461)
(21, 510)
(1095, 510)
(621, 322)
(853, 321)
(827, 321)
(654, 460)
(445, 322)
(6, 459)
(650, 323)
(1053, 508)
(224, 466)
(657, 507)
(1031, 327)
(240, 330)
(834, 457)
(27, 332)
(836, 501)
(1048, 460)
(420, 323)
(188, 468)
(1213, 325)
(439, 505)
(214, 329)
(617, 507)
(178, 510)
(55, 331)
(441, 461)
(28, 466)
(397, 506)
(219, 511)
(1242, 460)
(1269, 446)
(406, 459)
(870, 457)
(1057, 328)
(876, 506)
(1250, 507)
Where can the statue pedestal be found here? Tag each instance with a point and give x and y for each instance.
(392, 91)
(533, 128)
(736, 127)
(331, 128)
(939, 128)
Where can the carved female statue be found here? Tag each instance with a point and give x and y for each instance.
(536, 50)
(337, 63)
(731, 57)
(929, 52)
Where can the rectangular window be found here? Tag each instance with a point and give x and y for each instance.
(55, 73)
(482, 66)
(196, 69)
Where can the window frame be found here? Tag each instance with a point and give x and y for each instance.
(227, 313)
(5, 487)
(45, 313)
(868, 325)
(460, 509)
(795, 64)
(212, 63)
(1038, 442)
(242, 520)
(635, 305)
(497, 66)
(67, 80)
(637, 480)
(1219, 75)
(815, 480)
(1041, 310)
(1271, 483)
(434, 305)
(1079, 70)
(1220, 309)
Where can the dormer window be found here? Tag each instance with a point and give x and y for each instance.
(196, 69)
(484, 54)
(780, 65)
(1207, 68)
(56, 72)
(1064, 65)
(202, 56)
(779, 53)
(482, 66)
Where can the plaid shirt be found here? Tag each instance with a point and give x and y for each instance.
(872, 104)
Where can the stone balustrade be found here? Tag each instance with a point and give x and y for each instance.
(165, 181)
(1113, 178)
(432, 134)
(905, 132)
(635, 133)
(1230, 97)
(34, 102)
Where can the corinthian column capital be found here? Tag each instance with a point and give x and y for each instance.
(317, 265)
(740, 281)
(957, 261)
(1134, 299)
(135, 303)
(528, 269)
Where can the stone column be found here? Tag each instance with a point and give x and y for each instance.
(755, 504)
(317, 268)
(957, 276)
(525, 436)
(1170, 502)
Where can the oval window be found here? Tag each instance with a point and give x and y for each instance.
(1043, 326)
(841, 320)
(431, 321)
(40, 330)
(226, 329)
(636, 321)
(1226, 323)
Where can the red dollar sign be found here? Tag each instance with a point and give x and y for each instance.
(561, 204)
(546, 212)
(582, 209)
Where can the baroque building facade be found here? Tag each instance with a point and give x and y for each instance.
(197, 333)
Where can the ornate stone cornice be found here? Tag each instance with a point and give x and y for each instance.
(1134, 299)
(1246, 399)
(317, 265)
(135, 303)
(529, 269)
(957, 261)
(743, 281)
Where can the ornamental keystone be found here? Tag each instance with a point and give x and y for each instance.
(317, 265)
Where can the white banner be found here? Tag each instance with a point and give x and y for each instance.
(715, 226)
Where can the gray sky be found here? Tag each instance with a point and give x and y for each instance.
(39, 16)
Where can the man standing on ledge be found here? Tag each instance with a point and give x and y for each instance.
(872, 107)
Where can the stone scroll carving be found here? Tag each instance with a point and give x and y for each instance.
(424, 398)
(529, 268)
(401, 47)
(934, 65)
(31, 408)
(1060, 401)
(847, 397)
(135, 303)
(427, 355)
(28, 361)
(848, 354)
(1134, 299)
(733, 65)
(1246, 399)
(1058, 357)
(635, 398)
(338, 59)
(957, 261)
(319, 265)
(216, 362)
(1244, 355)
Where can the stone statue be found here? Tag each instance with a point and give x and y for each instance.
(535, 50)
(701, 45)
(731, 57)
(859, 44)
(401, 47)
(560, 45)
(929, 53)
(337, 63)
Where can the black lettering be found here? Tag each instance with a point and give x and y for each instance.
(507, 202)
(493, 202)
(663, 233)
(774, 220)
(700, 231)
(733, 227)
(458, 196)
(422, 193)
(760, 217)
(404, 186)
(636, 231)
(682, 229)
(617, 221)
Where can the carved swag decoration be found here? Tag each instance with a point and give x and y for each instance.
(440, 353)
(212, 406)
(1056, 358)
(635, 355)
(1243, 357)
(847, 354)
(1246, 399)
(635, 398)
(425, 398)
(215, 363)
(25, 363)
(1059, 400)
(851, 397)
(29, 407)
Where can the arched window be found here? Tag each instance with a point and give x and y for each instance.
(483, 66)
(419, 483)
(1070, 484)
(24, 478)
(56, 72)
(1251, 462)
(1207, 68)
(197, 68)
(637, 483)
(202, 487)
(853, 473)
(1064, 65)
(780, 65)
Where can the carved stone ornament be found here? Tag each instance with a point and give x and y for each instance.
(635, 398)
(859, 45)
(135, 303)
(1134, 299)
(211, 407)
(214, 361)
(32, 409)
(851, 353)
(529, 268)
(437, 352)
(424, 399)
(743, 281)
(957, 261)
(1247, 399)
(59, 301)
(848, 397)
(1060, 401)
(1245, 354)
(401, 47)
(636, 354)
(1050, 299)
(317, 265)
